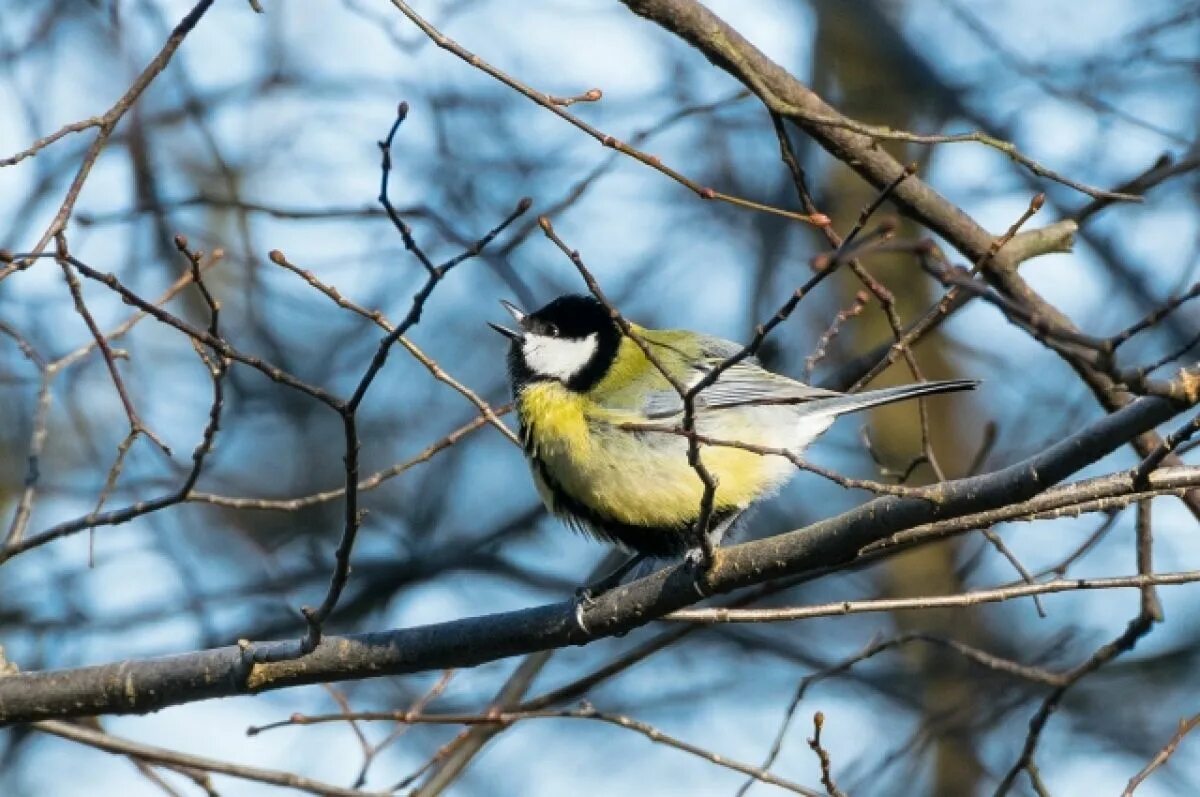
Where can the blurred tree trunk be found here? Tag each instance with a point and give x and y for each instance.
(864, 68)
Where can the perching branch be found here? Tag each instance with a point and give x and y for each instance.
(139, 686)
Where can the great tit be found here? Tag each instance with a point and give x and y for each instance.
(579, 384)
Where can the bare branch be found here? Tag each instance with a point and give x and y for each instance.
(555, 106)
(160, 755)
(587, 712)
(975, 597)
(135, 686)
(1185, 727)
(823, 757)
(106, 124)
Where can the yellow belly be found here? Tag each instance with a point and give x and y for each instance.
(639, 479)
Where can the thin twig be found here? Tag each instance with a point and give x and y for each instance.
(160, 755)
(873, 286)
(784, 614)
(49, 371)
(1154, 317)
(591, 95)
(1044, 329)
(845, 314)
(453, 762)
(1185, 727)
(883, 133)
(1100, 494)
(45, 141)
(1151, 606)
(1169, 443)
(110, 484)
(419, 705)
(369, 483)
(998, 543)
(950, 301)
(549, 103)
(1149, 613)
(879, 645)
(217, 370)
(136, 427)
(218, 345)
(586, 712)
(105, 126)
(823, 757)
(348, 409)
(489, 413)
(37, 443)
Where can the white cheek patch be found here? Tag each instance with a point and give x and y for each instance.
(559, 358)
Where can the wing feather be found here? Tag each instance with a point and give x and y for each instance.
(746, 383)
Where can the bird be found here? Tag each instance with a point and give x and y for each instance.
(599, 423)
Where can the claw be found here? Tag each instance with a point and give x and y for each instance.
(583, 601)
(585, 596)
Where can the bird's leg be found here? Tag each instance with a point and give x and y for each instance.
(586, 595)
(611, 580)
(700, 558)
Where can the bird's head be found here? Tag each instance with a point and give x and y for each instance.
(572, 340)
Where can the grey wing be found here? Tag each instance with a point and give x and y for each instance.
(746, 383)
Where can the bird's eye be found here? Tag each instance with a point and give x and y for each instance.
(552, 330)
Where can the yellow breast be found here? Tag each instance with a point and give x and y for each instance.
(555, 417)
(637, 479)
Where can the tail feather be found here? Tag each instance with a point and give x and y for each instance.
(874, 398)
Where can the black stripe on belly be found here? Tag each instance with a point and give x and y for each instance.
(658, 541)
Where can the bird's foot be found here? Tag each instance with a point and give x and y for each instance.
(698, 562)
(584, 600)
(585, 596)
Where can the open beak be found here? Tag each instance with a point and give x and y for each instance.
(518, 315)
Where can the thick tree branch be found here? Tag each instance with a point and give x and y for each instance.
(148, 685)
